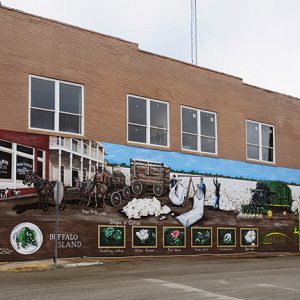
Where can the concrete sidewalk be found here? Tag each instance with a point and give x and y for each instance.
(63, 263)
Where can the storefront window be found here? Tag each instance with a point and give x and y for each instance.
(5, 165)
(24, 165)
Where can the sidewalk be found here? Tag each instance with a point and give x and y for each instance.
(64, 263)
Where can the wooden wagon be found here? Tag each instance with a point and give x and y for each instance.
(117, 188)
(149, 176)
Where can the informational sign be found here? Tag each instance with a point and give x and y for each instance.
(26, 238)
(5, 165)
(24, 165)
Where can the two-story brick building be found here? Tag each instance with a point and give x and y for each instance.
(71, 97)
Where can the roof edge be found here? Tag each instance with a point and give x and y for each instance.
(270, 91)
(145, 51)
(190, 64)
(66, 24)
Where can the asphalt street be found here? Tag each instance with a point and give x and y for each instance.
(162, 278)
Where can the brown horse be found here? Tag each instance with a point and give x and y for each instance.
(44, 189)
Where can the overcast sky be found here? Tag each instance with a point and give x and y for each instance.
(257, 40)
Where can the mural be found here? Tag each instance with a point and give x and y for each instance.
(138, 201)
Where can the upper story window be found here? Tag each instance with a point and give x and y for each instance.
(148, 121)
(56, 105)
(260, 141)
(199, 130)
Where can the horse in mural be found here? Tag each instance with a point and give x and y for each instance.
(44, 189)
(90, 190)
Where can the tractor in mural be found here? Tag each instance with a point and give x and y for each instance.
(149, 176)
(272, 195)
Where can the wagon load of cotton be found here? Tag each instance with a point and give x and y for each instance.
(143, 207)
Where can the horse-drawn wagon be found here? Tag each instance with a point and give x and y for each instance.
(148, 176)
(117, 187)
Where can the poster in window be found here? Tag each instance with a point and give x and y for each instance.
(5, 165)
(23, 165)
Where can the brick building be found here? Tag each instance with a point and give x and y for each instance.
(60, 82)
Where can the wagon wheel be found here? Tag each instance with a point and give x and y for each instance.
(126, 192)
(116, 199)
(137, 187)
(157, 189)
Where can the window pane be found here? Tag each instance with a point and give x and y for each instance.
(252, 152)
(42, 119)
(42, 93)
(208, 145)
(40, 153)
(69, 123)
(159, 114)
(5, 165)
(267, 154)
(70, 98)
(252, 133)
(189, 142)
(189, 120)
(40, 169)
(137, 111)
(267, 135)
(137, 133)
(208, 124)
(24, 149)
(158, 136)
(5, 144)
(23, 165)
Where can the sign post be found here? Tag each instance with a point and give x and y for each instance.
(58, 196)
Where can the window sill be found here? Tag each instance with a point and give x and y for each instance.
(261, 162)
(186, 151)
(148, 146)
(54, 133)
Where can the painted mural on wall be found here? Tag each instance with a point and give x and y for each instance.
(134, 203)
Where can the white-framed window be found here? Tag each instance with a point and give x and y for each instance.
(75, 145)
(198, 130)
(148, 121)
(6, 160)
(85, 148)
(55, 105)
(260, 141)
(15, 160)
(41, 163)
(60, 141)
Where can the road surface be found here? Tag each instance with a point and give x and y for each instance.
(168, 278)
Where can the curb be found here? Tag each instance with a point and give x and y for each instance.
(46, 267)
(83, 264)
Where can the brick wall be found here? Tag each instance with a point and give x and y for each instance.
(110, 68)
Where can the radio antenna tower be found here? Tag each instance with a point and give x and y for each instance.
(194, 53)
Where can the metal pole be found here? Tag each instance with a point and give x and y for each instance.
(196, 43)
(192, 30)
(56, 230)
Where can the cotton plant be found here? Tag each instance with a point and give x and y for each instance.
(250, 237)
(143, 207)
(143, 235)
